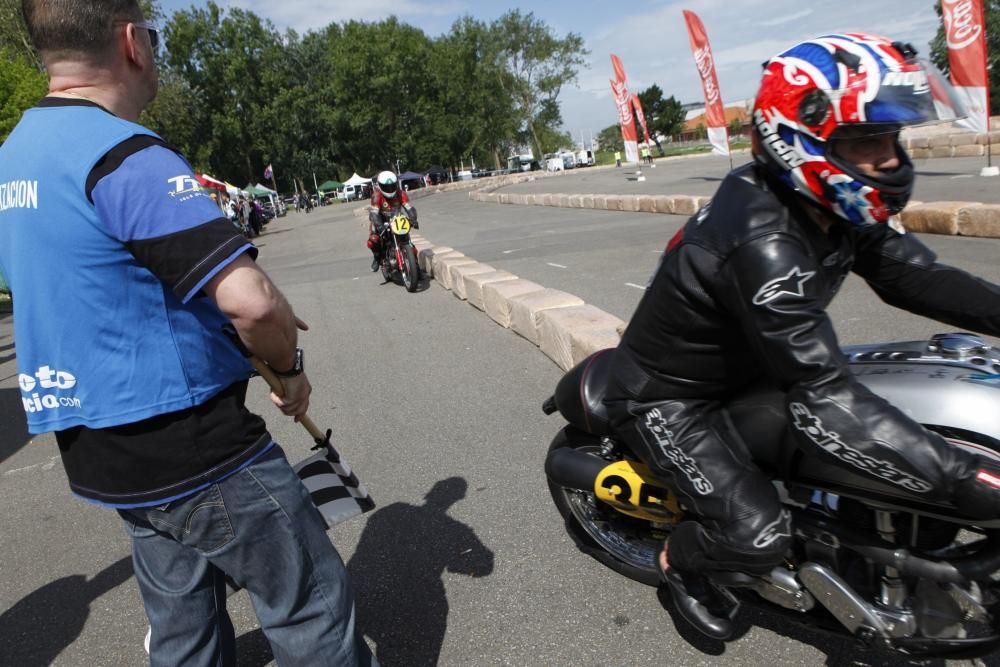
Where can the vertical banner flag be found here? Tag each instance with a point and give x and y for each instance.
(640, 116)
(269, 172)
(965, 33)
(619, 88)
(715, 117)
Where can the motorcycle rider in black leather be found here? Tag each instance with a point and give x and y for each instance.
(740, 298)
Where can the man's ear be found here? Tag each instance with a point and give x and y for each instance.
(131, 44)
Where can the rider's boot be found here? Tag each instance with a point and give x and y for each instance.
(707, 608)
(375, 263)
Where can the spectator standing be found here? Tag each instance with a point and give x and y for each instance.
(143, 391)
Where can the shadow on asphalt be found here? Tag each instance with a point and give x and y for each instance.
(705, 178)
(423, 283)
(396, 570)
(40, 626)
(14, 435)
(840, 652)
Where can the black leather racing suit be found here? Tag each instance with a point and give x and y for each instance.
(740, 298)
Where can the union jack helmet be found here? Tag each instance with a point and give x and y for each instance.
(817, 87)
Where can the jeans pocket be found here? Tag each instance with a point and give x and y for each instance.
(200, 522)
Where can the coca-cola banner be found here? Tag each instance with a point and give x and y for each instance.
(619, 88)
(715, 117)
(640, 116)
(965, 32)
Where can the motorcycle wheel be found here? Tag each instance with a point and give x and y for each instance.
(618, 542)
(386, 271)
(410, 270)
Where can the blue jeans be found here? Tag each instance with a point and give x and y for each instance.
(259, 527)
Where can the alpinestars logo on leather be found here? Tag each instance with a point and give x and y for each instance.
(792, 284)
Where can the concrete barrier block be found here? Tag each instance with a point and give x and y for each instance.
(561, 200)
(613, 202)
(588, 201)
(620, 329)
(701, 202)
(443, 267)
(982, 139)
(585, 342)
(575, 201)
(473, 284)
(546, 199)
(436, 260)
(663, 204)
(968, 150)
(995, 137)
(920, 153)
(684, 205)
(459, 272)
(963, 139)
(983, 221)
(939, 141)
(630, 203)
(941, 151)
(425, 257)
(646, 204)
(601, 202)
(559, 326)
(526, 310)
(934, 217)
(504, 198)
(498, 298)
(919, 142)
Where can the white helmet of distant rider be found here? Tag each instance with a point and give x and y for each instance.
(387, 184)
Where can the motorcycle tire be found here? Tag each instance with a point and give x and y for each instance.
(585, 540)
(410, 269)
(386, 271)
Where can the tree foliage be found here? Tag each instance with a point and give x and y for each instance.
(939, 49)
(236, 94)
(664, 115)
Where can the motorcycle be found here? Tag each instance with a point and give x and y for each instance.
(399, 256)
(869, 560)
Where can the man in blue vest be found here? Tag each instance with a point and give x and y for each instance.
(127, 361)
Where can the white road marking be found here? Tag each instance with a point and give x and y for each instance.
(955, 178)
(558, 266)
(507, 252)
(642, 287)
(358, 278)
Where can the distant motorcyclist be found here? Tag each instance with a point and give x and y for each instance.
(387, 199)
(740, 297)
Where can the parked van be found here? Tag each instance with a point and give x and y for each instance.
(349, 193)
(585, 158)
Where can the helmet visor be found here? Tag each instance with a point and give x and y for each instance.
(388, 187)
(919, 95)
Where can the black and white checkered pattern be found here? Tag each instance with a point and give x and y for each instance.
(334, 488)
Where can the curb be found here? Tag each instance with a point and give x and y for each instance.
(971, 219)
(561, 325)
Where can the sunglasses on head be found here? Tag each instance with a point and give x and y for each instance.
(154, 32)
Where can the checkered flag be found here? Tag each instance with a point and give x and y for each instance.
(333, 487)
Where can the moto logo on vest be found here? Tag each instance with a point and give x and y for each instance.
(47, 378)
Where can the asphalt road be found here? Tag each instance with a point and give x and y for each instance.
(943, 179)
(465, 561)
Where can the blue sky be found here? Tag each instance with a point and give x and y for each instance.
(648, 35)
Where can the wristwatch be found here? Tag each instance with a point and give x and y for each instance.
(296, 368)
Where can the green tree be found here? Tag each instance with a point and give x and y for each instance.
(664, 115)
(939, 49)
(21, 86)
(610, 138)
(538, 64)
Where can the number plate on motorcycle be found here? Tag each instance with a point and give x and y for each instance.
(400, 225)
(631, 489)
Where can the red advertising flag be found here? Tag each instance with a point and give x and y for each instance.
(640, 116)
(715, 117)
(965, 32)
(619, 88)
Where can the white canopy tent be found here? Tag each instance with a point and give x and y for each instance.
(357, 180)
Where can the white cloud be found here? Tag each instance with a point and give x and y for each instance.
(316, 14)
